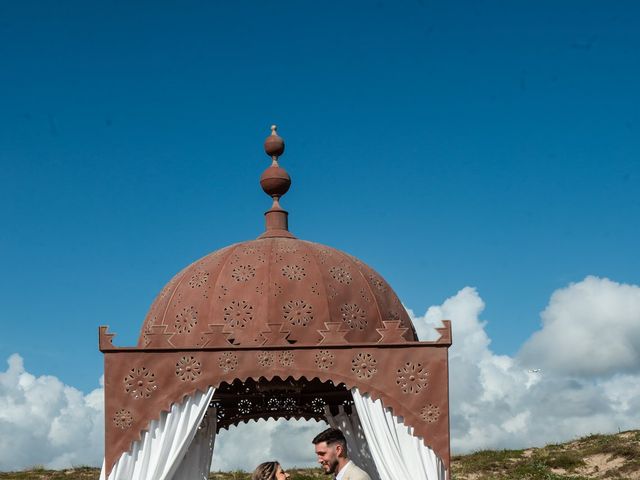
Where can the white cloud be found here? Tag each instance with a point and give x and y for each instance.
(286, 441)
(44, 422)
(588, 349)
(497, 402)
(590, 328)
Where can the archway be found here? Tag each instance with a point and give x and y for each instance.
(281, 327)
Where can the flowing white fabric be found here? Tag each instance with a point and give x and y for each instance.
(160, 452)
(196, 463)
(397, 453)
(357, 446)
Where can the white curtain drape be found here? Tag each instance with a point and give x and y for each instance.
(357, 446)
(397, 453)
(161, 452)
(196, 463)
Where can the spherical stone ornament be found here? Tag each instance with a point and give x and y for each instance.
(275, 181)
(274, 144)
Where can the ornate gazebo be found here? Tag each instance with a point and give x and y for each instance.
(269, 328)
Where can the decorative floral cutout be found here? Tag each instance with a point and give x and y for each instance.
(260, 288)
(188, 369)
(324, 359)
(286, 358)
(266, 359)
(273, 404)
(353, 316)
(341, 275)
(228, 361)
(379, 284)
(243, 273)
(140, 383)
(293, 272)
(289, 404)
(315, 289)
(364, 365)
(186, 319)
(123, 419)
(317, 405)
(412, 377)
(198, 279)
(364, 294)
(245, 406)
(298, 312)
(238, 313)
(430, 413)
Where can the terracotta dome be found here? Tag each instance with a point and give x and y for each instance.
(298, 291)
(275, 290)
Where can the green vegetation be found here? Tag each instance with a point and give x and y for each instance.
(596, 456)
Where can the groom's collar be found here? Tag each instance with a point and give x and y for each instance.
(342, 470)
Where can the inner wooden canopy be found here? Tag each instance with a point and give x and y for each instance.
(241, 401)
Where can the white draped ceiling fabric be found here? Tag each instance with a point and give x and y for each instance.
(177, 446)
(396, 452)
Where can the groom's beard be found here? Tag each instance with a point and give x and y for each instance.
(331, 467)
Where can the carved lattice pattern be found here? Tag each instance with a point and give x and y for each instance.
(140, 382)
(245, 406)
(286, 358)
(364, 365)
(243, 273)
(186, 319)
(273, 404)
(266, 359)
(289, 404)
(341, 275)
(188, 369)
(324, 359)
(430, 413)
(238, 313)
(412, 377)
(123, 419)
(298, 312)
(199, 279)
(379, 284)
(293, 272)
(353, 316)
(228, 361)
(317, 404)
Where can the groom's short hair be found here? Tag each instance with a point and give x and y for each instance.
(331, 436)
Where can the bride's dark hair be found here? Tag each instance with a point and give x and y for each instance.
(265, 471)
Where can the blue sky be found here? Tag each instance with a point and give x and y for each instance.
(485, 144)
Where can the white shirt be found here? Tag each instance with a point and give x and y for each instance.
(344, 469)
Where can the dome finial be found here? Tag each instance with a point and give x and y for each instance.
(274, 145)
(275, 182)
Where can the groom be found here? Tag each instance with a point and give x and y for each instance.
(331, 449)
